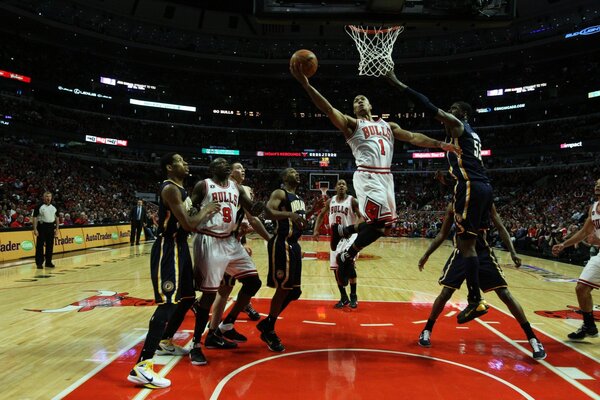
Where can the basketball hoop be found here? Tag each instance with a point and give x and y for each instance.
(375, 46)
(323, 187)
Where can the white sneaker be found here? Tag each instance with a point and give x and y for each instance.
(538, 352)
(143, 374)
(166, 347)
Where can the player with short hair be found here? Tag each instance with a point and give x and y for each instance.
(219, 336)
(590, 276)
(170, 267)
(285, 255)
(217, 251)
(342, 209)
(372, 144)
(490, 273)
(473, 194)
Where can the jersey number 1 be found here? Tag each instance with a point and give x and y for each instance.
(382, 146)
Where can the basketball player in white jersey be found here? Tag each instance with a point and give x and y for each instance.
(590, 276)
(217, 251)
(218, 336)
(372, 144)
(342, 209)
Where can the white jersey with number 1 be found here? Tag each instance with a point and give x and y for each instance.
(372, 145)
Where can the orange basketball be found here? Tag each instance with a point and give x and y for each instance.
(307, 59)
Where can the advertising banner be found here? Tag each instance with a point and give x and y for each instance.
(21, 244)
(16, 244)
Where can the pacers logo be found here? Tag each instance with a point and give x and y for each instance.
(168, 286)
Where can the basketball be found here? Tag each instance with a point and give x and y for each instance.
(307, 59)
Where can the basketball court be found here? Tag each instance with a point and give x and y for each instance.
(76, 331)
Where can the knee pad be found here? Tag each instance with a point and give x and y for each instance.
(294, 294)
(250, 285)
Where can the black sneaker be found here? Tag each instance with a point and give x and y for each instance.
(234, 336)
(472, 311)
(342, 303)
(581, 333)
(538, 351)
(344, 268)
(196, 356)
(425, 338)
(50, 265)
(273, 342)
(335, 237)
(39, 266)
(270, 337)
(353, 301)
(252, 313)
(215, 341)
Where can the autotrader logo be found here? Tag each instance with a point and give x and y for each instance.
(78, 239)
(27, 245)
(114, 236)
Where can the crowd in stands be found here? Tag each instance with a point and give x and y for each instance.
(541, 191)
(540, 206)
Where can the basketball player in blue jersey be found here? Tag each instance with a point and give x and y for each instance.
(472, 192)
(285, 255)
(170, 266)
(372, 144)
(490, 275)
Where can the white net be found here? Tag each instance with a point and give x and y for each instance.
(375, 46)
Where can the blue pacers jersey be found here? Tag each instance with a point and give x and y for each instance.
(168, 226)
(285, 228)
(468, 166)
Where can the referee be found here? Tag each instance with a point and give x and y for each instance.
(45, 229)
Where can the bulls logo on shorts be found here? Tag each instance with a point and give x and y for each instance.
(372, 209)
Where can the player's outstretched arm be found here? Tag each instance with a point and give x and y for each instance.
(440, 237)
(418, 139)
(586, 230)
(505, 236)
(343, 122)
(454, 125)
(320, 219)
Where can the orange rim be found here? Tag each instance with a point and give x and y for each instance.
(372, 31)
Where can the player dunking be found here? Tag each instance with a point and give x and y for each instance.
(490, 274)
(343, 210)
(590, 276)
(217, 251)
(372, 144)
(472, 192)
(170, 265)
